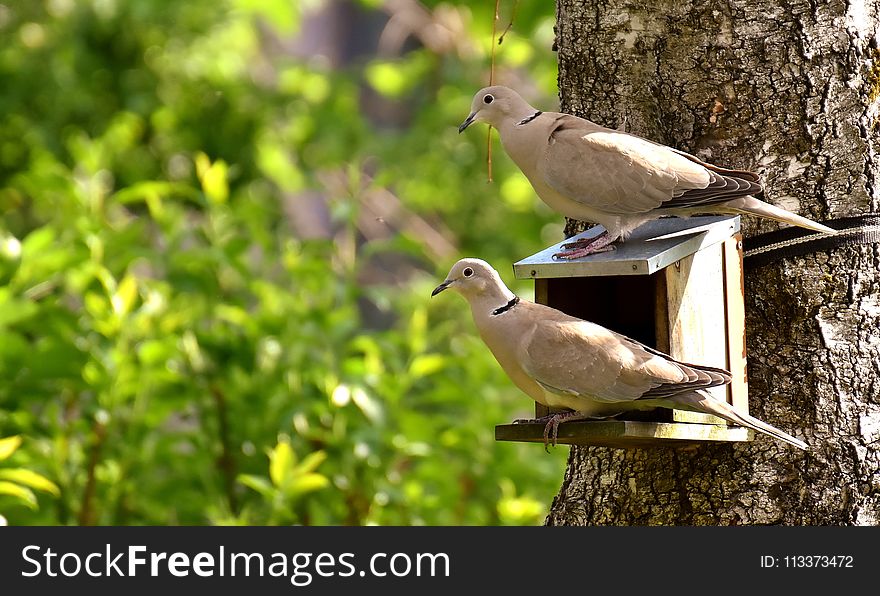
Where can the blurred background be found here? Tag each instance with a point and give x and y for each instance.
(221, 224)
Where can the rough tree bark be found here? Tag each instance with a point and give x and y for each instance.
(791, 90)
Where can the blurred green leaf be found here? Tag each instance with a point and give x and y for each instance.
(426, 364)
(370, 406)
(388, 78)
(222, 228)
(311, 462)
(395, 78)
(13, 311)
(261, 485)
(37, 241)
(518, 510)
(282, 14)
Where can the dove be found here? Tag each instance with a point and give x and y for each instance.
(565, 362)
(588, 172)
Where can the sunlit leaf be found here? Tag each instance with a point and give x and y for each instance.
(8, 446)
(213, 178)
(281, 462)
(281, 14)
(517, 192)
(387, 78)
(311, 462)
(314, 87)
(125, 295)
(189, 344)
(31, 479)
(306, 483)
(395, 78)
(25, 495)
(14, 310)
(518, 510)
(154, 351)
(418, 329)
(521, 510)
(371, 407)
(96, 304)
(38, 240)
(234, 314)
(426, 364)
(257, 483)
(276, 163)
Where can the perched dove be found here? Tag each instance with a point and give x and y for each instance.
(565, 362)
(589, 172)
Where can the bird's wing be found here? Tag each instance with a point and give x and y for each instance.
(585, 359)
(621, 173)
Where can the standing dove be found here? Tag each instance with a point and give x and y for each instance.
(565, 362)
(588, 172)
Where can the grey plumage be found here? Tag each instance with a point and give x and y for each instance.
(592, 173)
(566, 362)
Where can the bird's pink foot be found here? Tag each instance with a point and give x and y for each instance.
(586, 246)
(568, 255)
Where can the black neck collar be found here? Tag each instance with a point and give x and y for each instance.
(503, 309)
(530, 118)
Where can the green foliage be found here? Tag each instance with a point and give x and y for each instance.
(163, 328)
(288, 481)
(16, 483)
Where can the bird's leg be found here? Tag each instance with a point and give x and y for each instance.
(582, 242)
(586, 246)
(551, 430)
(542, 420)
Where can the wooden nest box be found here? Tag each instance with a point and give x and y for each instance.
(675, 285)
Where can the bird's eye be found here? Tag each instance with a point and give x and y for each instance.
(468, 272)
(488, 99)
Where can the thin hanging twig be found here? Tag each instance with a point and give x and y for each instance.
(509, 23)
(492, 82)
(492, 69)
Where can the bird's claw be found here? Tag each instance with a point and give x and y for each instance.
(568, 255)
(585, 246)
(540, 420)
(551, 431)
(579, 243)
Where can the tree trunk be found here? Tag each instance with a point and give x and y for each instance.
(789, 90)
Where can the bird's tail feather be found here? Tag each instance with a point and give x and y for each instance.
(704, 402)
(754, 206)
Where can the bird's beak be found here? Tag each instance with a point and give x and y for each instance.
(441, 287)
(468, 121)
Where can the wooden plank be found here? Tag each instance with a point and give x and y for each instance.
(626, 433)
(695, 313)
(542, 296)
(542, 291)
(650, 248)
(661, 313)
(734, 291)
